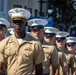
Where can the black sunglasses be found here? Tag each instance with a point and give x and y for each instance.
(49, 34)
(18, 21)
(60, 39)
(36, 28)
(63, 38)
(70, 45)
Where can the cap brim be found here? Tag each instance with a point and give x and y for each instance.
(70, 43)
(60, 38)
(18, 18)
(37, 27)
(38, 22)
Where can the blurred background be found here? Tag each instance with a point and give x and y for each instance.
(59, 13)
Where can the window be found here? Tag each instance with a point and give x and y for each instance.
(25, 7)
(17, 6)
(1, 5)
(41, 13)
(36, 12)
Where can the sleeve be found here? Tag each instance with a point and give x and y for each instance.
(72, 62)
(2, 59)
(54, 57)
(38, 54)
(63, 60)
(75, 61)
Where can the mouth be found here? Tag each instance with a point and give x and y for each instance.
(17, 26)
(36, 35)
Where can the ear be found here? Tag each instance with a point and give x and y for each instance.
(4, 30)
(0, 32)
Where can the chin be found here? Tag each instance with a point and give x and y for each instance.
(18, 31)
(70, 50)
(60, 46)
(37, 38)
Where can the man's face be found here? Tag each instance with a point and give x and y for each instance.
(70, 47)
(19, 25)
(50, 39)
(37, 33)
(60, 43)
(2, 32)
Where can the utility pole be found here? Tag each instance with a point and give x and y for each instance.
(41, 4)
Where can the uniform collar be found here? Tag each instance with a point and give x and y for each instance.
(44, 42)
(13, 39)
(27, 38)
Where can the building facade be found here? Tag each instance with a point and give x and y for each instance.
(32, 5)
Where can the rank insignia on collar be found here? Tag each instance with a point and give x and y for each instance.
(28, 49)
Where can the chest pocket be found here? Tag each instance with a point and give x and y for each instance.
(26, 50)
(47, 52)
(10, 50)
(10, 55)
(68, 58)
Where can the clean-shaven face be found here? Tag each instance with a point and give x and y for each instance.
(50, 39)
(19, 25)
(70, 47)
(37, 33)
(60, 43)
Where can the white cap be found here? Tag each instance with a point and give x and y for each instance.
(19, 13)
(37, 22)
(62, 34)
(51, 30)
(71, 40)
(4, 22)
(11, 30)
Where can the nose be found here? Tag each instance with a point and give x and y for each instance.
(17, 23)
(36, 31)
